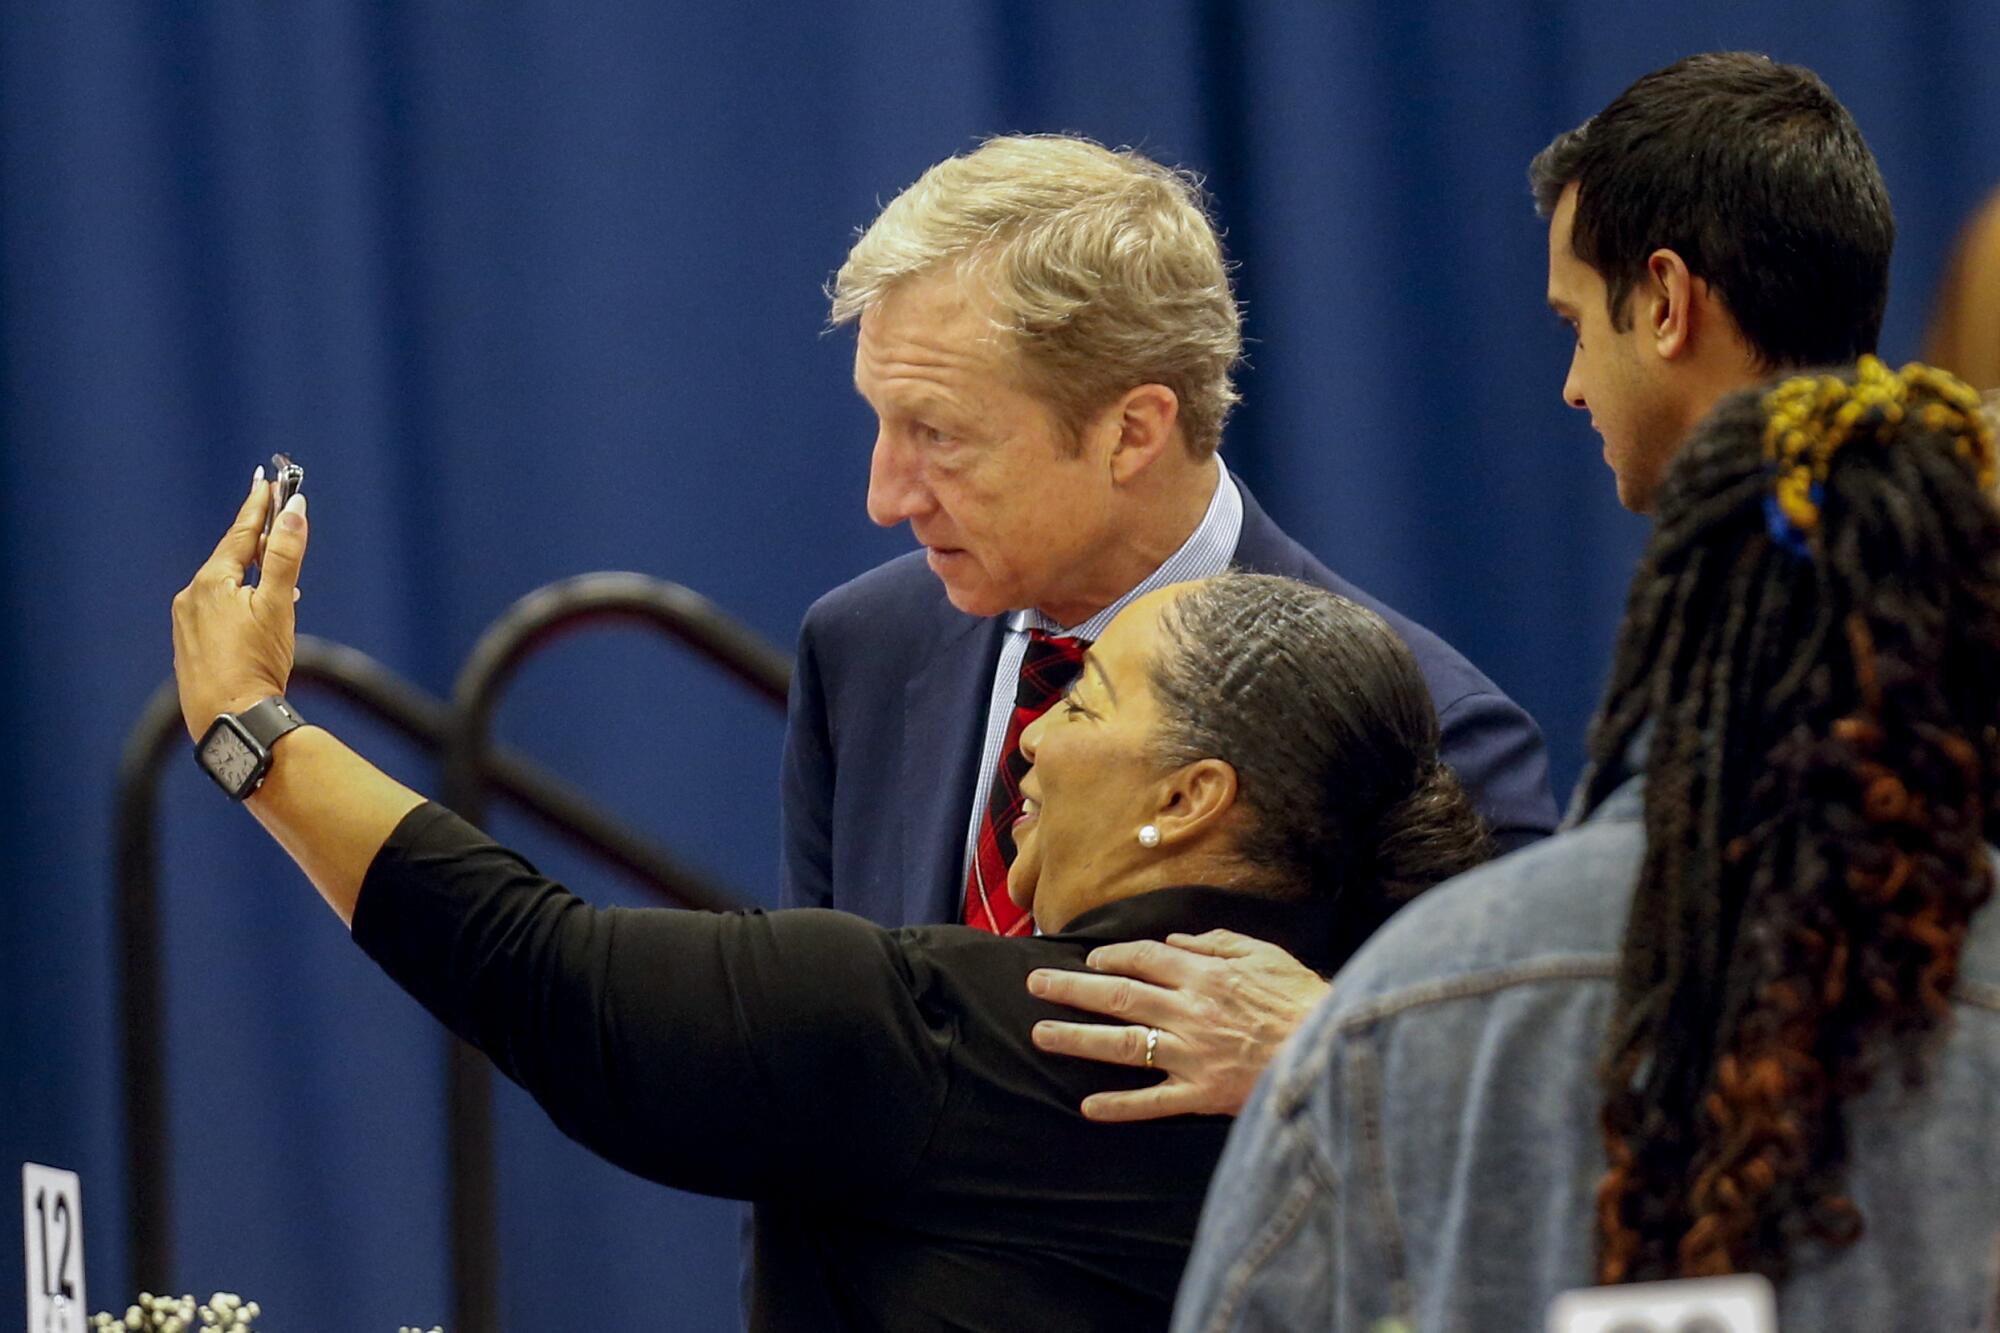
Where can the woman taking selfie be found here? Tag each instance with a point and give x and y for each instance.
(1245, 753)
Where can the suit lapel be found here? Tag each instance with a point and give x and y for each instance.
(944, 723)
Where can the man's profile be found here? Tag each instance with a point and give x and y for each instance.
(1047, 336)
(1721, 221)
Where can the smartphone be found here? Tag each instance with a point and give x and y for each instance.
(286, 479)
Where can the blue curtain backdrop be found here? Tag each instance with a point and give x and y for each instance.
(534, 289)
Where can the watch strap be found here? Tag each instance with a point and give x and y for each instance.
(268, 719)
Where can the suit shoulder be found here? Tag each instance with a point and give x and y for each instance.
(1450, 674)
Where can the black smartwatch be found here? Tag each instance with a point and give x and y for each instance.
(236, 750)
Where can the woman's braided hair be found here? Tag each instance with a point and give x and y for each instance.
(1811, 661)
(1324, 714)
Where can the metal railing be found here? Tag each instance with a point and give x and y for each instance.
(528, 626)
(474, 768)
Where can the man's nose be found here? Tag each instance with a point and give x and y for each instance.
(895, 491)
(1573, 386)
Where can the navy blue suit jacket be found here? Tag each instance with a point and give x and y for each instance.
(888, 713)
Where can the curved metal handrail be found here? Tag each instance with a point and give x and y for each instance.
(530, 624)
(148, 1221)
(354, 676)
(148, 1157)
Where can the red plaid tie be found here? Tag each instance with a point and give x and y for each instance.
(1047, 669)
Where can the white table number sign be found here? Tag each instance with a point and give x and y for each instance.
(1742, 1304)
(52, 1228)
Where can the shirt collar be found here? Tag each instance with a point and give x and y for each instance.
(1205, 553)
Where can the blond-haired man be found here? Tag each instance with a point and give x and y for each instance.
(1046, 336)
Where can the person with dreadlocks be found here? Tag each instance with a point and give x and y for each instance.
(1744, 1016)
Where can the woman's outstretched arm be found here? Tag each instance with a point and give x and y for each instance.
(749, 1054)
(740, 1055)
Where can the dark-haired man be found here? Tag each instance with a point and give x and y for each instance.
(1720, 221)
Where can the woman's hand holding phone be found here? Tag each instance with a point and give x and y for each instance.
(233, 642)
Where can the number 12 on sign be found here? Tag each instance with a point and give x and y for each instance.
(52, 1232)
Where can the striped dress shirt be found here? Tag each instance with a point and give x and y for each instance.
(1205, 553)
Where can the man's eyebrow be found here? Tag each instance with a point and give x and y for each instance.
(925, 404)
(1563, 309)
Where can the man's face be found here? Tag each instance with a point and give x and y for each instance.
(1617, 377)
(980, 468)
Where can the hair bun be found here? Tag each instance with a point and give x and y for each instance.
(1429, 836)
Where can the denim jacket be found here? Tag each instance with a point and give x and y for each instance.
(1423, 1153)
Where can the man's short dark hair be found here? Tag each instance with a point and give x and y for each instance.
(1758, 178)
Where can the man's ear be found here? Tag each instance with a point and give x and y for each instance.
(1195, 800)
(1141, 425)
(1667, 304)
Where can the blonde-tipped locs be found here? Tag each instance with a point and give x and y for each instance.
(1102, 267)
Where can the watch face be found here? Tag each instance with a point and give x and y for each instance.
(228, 757)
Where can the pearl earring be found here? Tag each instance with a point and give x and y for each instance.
(1149, 836)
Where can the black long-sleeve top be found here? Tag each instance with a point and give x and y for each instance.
(916, 1162)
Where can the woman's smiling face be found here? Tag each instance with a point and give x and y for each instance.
(1094, 780)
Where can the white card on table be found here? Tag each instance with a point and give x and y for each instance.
(52, 1229)
(1740, 1304)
